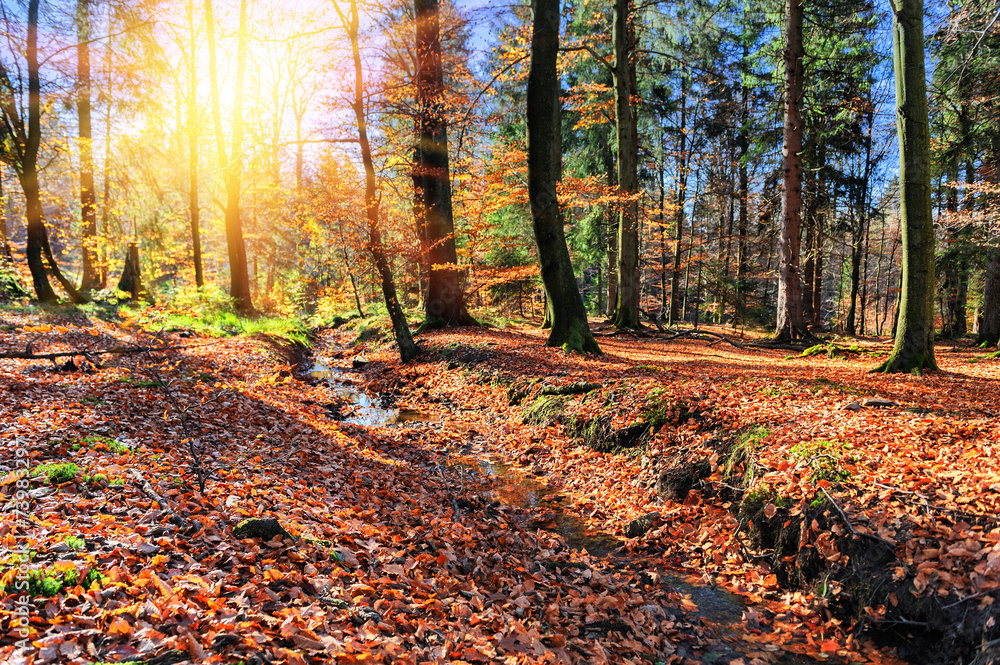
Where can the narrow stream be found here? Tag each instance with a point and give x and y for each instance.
(504, 484)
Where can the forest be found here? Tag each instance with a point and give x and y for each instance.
(339, 331)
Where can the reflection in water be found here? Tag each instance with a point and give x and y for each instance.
(516, 489)
(364, 410)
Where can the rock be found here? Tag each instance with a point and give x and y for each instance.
(258, 527)
(577, 388)
(675, 483)
(359, 362)
(544, 411)
(640, 525)
(879, 403)
(853, 406)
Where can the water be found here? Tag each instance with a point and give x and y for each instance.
(506, 485)
(364, 409)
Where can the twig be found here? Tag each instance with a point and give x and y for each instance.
(454, 503)
(148, 490)
(975, 595)
(195, 459)
(847, 522)
(118, 350)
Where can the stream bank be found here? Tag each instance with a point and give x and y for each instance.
(484, 484)
(805, 542)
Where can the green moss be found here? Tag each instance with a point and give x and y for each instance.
(740, 460)
(57, 472)
(75, 543)
(658, 414)
(48, 583)
(825, 458)
(545, 410)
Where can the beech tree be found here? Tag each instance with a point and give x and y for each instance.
(232, 164)
(913, 348)
(565, 306)
(20, 143)
(444, 301)
(626, 307)
(90, 279)
(404, 340)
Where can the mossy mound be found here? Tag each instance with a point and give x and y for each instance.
(264, 528)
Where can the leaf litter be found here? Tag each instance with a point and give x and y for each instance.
(381, 567)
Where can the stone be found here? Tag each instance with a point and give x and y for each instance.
(853, 406)
(640, 525)
(263, 528)
(879, 403)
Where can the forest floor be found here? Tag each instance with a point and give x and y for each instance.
(476, 505)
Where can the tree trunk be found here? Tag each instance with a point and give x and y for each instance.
(232, 166)
(913, 350)
(6, 257)
(27, 143)
(626, 312)
(131, 280)
(445, 299)
(192, 136)
(88, 210)
(404, 340)
(570, 329)
(743, 245)
(989, 327)
(791, 323)
(680, 190)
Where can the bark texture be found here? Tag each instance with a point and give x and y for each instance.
(90, 279)
(913, 350)
(404, 340)
(232, 164)
(791, 321)
(626, 309)
(569, 329)
(444, 301)
(192, 136)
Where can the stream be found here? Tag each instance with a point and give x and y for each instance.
(499, 482)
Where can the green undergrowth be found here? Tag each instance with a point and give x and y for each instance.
(825, 458)
(224, 323)
(48, 582)
(57, 472)
(739, 465)
(98, 442)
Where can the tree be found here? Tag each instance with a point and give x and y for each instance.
(88, 207)
(404, 340)
(20, 143)
(565, 305)
(232, 165)
(791, 321)
(913, 348)
(444, 302)
(194, 209)
(626, 309)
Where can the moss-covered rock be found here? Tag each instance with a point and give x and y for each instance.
(264, 528)
(545, 411)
